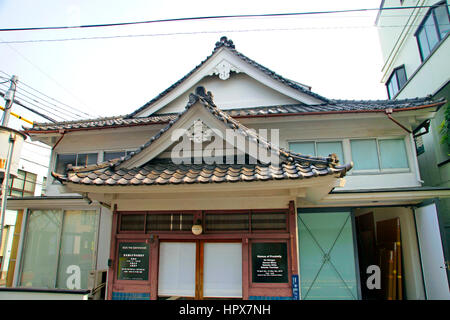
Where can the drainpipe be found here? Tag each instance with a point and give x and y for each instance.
(62, 132)
(388, 112)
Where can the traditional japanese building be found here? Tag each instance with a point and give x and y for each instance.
(235, 182)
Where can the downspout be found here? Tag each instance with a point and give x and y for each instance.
(62, 132)
(388, 112)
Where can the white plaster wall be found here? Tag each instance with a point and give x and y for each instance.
(431, 76)
(238, 91)
(390, 22)
(410, 250)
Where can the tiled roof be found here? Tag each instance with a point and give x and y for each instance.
(334, 106)
(292, 165)
(224, 42)
(160, 173)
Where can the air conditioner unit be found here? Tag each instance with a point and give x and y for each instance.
(97, 283)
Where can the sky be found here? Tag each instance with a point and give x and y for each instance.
(338, 55)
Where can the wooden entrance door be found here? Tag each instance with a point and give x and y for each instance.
(200, 270)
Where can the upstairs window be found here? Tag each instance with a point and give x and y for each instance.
(321, 149)
(375, 155)
(433, 29)
(109, 155)
(79, 159)
(396, 81)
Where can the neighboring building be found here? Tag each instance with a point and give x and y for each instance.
(30, 181)
(128, 198)
(416, 63)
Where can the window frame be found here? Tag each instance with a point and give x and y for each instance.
(55, 165)
(59, 241)
(341, 141)
(440, 38)
(23, 191)
(394, 76)
(381, 170)
(125, 152)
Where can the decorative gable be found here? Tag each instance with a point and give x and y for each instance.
(223, 62)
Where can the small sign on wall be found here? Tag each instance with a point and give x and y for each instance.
(269, 262)
(133, 261)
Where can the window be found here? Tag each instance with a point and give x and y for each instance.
(23, 184)
(433, 29)
(80, 159)
(59, 250)
(396, 81)
(321, 149)
(109, 155)
(156, 222)
(379, 154)
(246, 221)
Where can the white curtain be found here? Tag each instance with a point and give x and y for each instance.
(176, 269)
(222, 275)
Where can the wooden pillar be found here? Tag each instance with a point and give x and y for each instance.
(293, 236)
(154, 268)
(245, 268)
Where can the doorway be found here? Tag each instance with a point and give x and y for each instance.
(201, 269)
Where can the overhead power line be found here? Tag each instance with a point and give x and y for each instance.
(195, 33)
(118, 24)
(31, 109)
(45, 107)
(72, 111)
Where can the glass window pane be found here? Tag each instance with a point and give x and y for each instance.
(393, 154)
(19, 181)
(423, 44)
(327, 256)
(40, 255)
(113, 155)
(176, 275)
(62, 160)
(77, 254)
(169, 222)
(326, 148)
(364, 154)
(222, 270)
(84, 159)
(132, 222)
(401, 77)
(30, 182)
(305, 148)
(430, 29)
(228, 221)
(269, 221)
(442, 18)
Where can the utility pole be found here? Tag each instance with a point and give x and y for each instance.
(9, 99)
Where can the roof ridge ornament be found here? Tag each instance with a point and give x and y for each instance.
(224, 42)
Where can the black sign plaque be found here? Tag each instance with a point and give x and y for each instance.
(133, 261)
(269, 262)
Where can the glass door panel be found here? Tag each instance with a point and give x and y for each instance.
(327, 260)
(177, 263)
(222, 270)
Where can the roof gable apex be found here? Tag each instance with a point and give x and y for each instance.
(224, 59)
